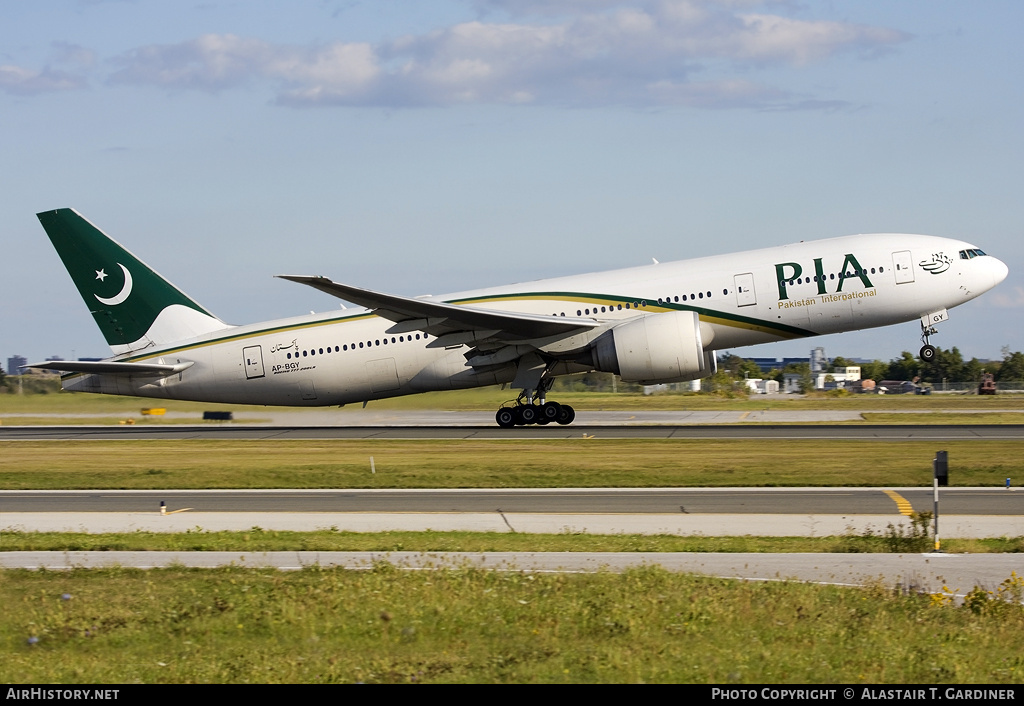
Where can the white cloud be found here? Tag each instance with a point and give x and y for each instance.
(216, 62)
(580, 54)
(18, 80)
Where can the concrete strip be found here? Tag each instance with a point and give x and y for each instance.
(948, 573)
(710, 525)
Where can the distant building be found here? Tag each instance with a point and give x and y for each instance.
(791, 383)
(16, 365)
(842, 377)
(818, 360)
(762, 387)
(769, 364)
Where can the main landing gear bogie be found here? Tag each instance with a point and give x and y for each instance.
(522, 414)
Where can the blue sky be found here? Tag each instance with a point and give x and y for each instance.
(426, 147)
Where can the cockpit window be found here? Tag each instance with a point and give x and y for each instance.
(970, 254)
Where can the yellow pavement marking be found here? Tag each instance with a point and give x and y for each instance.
(901, 502)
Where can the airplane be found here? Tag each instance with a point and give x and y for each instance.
(657, 323)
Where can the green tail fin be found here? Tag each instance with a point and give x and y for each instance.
(133, 305)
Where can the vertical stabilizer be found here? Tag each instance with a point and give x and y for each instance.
(133, 305)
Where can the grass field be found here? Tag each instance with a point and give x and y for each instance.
(464, 625)
(497, 463)
(260, 540)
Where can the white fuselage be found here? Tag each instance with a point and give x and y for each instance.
(793, 291)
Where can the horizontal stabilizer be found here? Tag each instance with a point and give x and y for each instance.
(438, 318)
(113, 367)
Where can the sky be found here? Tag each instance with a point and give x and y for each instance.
(429, 147)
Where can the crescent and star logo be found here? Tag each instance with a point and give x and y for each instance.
(121, 296)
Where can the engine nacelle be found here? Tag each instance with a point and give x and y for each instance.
(656, 348)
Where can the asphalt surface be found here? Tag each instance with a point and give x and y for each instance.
(964, 512)
(687, 501)
(824, 431)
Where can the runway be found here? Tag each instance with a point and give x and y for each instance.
(686, 501)
(965, 512)
(776, 432)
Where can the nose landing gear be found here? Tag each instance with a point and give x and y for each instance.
(928, 321)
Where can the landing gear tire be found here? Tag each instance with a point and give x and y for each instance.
(566, 414)
(505, 417)
(928, 353)
(528, 414)
(549, 412)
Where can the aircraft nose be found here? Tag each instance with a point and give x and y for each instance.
(999, 271)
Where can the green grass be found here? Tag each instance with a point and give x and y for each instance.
(261, 540)
(942, 417)
(110, 421)
(461, 625)
(498, 463)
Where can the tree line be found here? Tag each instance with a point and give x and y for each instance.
(948, 366)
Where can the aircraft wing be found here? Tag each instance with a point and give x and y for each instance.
(113, 367)
(457, 324)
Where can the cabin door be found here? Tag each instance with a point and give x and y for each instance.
(252, 356)
(904, 266)
(745, 295)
